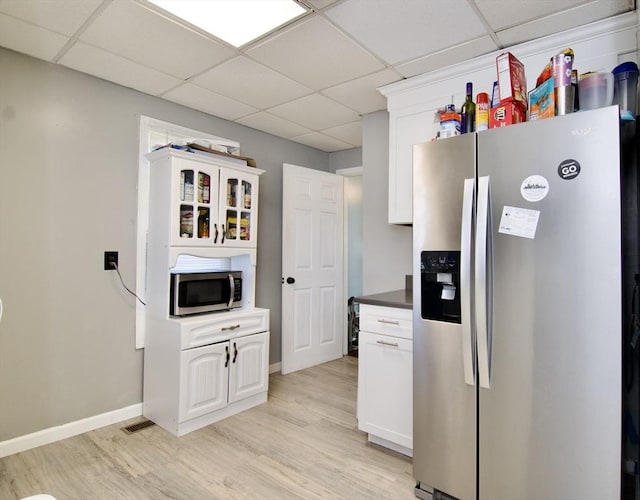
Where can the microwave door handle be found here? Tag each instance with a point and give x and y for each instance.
(232, 289)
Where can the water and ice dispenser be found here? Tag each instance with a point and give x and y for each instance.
(440, 282)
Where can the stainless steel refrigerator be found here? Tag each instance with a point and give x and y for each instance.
(517, 312)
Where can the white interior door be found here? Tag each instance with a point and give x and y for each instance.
(313, 302)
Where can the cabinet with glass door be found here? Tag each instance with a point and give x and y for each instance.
(238, 207)
(211, 203)
(195, 219)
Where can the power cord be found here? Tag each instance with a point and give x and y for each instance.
(115, 266)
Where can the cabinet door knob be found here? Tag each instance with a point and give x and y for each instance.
(291, 280)
(235, 352)
(215, 228)
(223, 233)
(226, 363)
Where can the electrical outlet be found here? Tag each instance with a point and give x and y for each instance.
(110, 258)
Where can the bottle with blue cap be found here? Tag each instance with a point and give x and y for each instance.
(625, 89)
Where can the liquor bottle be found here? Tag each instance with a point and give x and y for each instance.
(468, 111)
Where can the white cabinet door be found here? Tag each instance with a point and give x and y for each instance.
(204, 376)
(385, 387)
(249, 366)
(404, 132)
(238, 208)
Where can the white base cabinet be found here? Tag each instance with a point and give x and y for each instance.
(385, 377)
(192, 380)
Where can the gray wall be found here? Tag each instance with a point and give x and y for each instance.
(345, 159)
(68, 172)
(387, 248)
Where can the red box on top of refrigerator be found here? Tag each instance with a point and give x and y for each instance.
(512, 83)
(507, 114)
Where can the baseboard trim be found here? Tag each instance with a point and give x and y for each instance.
(275, 367)
(53, 434)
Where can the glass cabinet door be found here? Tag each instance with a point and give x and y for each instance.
(197, 195)
(239, 212)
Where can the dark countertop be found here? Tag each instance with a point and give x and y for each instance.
(402, 299)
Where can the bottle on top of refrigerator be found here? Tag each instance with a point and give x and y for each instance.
(495, 95)
(468, 113)
(482, 111)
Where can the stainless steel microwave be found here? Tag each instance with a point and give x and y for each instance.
(195, 293)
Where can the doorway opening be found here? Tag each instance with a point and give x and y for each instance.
(352, 252)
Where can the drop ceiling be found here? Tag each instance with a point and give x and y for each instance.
(310, 81)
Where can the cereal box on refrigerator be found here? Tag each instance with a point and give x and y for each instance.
(512, 83)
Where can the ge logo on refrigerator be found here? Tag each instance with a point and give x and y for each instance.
(569, 169)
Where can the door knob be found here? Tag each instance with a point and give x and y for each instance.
(290, 280)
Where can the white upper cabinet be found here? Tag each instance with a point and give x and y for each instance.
(206, 201)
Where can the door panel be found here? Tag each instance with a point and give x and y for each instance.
(302, 319)
(444, 405)
(328, 320)
(249, 370)
(550, 423)
(203, 380)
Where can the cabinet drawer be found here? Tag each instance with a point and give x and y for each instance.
(391, 321)
(223, 326)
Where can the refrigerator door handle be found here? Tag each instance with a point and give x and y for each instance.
(466, 242)
(483, 276)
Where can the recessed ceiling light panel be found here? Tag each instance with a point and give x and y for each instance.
(235, 21)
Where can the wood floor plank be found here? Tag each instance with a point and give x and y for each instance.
(303, 443)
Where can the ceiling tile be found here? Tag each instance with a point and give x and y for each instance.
(316, 54)
(62, 16)
(350, 133)
(29, 39)
(446, 57)
(584, 14)
(273, 125)
(507, 13)
(400, 31)
(105, 65)
(209, 102)
(162, 44)
(321, 4)
(245, 80)
(315, 112)
(322, 142)
(361, 94)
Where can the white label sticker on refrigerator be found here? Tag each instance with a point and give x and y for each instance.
(534, 188)
(519, 222)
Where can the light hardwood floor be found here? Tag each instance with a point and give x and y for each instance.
(303, 443)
